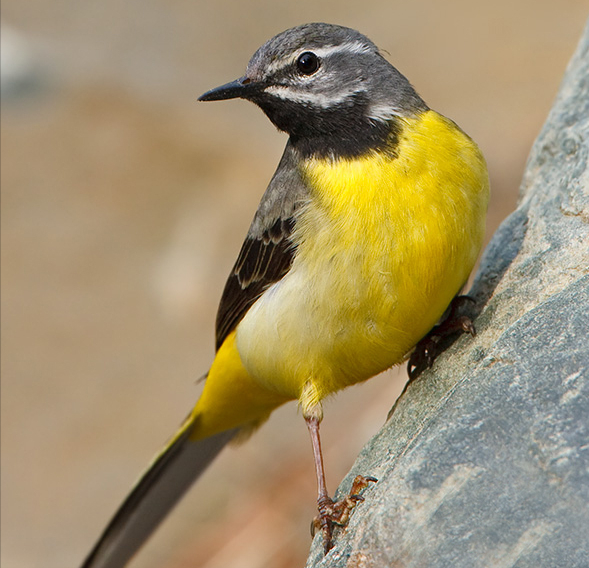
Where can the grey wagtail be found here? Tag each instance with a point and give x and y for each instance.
(367, 231)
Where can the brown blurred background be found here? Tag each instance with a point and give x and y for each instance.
(124, 203)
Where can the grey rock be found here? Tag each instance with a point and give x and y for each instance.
(484, 460)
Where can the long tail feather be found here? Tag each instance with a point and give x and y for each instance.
(155, 494)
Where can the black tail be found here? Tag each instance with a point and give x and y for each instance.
(158, 490)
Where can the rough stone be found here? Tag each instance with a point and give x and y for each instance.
(484, 460)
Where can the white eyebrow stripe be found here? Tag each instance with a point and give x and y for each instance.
(352, 47)
(317, 99)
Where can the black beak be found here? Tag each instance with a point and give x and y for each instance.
(240, 88)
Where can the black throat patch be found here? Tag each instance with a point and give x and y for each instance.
(343, 130)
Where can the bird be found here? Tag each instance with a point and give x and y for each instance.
(367, 231)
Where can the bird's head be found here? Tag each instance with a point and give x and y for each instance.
(325, 85)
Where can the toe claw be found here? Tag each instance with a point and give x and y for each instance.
(433, 343)
(338, 513)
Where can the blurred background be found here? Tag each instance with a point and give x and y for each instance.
(124, 204)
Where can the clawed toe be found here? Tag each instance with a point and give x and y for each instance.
(338, 512)
(430, 347)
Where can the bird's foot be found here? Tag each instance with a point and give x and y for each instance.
(430, 347)
(338, 513)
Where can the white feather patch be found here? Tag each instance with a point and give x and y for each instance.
(316, 99)
(381, 112)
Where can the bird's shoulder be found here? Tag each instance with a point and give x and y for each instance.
(268, 250)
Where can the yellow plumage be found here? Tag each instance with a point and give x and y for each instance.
(231, 397)
(383, 245)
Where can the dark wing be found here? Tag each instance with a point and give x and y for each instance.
(261, 262)
(268, 251)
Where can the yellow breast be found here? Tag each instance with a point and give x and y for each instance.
(384, 244)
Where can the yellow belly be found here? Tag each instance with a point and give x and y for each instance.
(383, 246)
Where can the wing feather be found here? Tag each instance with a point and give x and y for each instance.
(268, 251)
(262, 261)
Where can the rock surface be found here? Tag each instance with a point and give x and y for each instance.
(484, 461)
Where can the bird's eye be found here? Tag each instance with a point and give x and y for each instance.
(307, 63)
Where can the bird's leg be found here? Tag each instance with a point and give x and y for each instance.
(331, 512)
(429, 347)
(324, 502)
